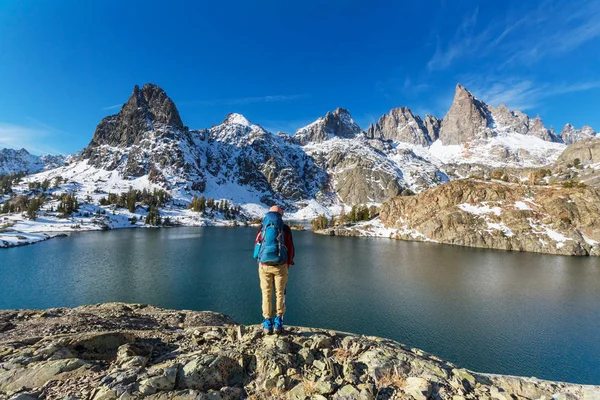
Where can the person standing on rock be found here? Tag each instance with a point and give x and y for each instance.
(274, 250)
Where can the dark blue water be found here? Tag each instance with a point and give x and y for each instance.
(491, 311)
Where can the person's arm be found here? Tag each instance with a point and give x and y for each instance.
(258, 235)
(257, 242)
(289, 244)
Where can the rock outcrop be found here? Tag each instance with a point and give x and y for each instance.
(131, 351)
(586, 150)
(570, 135)
(338, 123)
(401, 125)
(545, 219)
(142, 139)
(145, 108)
(432, 126)
(468, 119)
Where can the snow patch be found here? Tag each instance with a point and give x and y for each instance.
(519, 205)
(480, 210)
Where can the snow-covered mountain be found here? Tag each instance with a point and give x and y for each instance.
(330, 162)
(570, 135)
(12, 161)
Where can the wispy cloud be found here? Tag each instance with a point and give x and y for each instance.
(32, 139)
(462, 43)
(286, 126)
(521, 37)
(246, 100)
(519, 94)
(112, 107)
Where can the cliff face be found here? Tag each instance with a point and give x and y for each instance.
(586, 150)
(468, 119)
(544, 219)
(401, 125)
(127, 351)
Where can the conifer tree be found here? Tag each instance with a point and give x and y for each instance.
(57, 181)
(319, 223)
(352, 215)
(5, 207)
(32, 209)
(342, 217)
(153, 217)
(132, 196)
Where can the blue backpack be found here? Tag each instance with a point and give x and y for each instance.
(272, 249)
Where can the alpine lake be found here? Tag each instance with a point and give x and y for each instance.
(489, 311)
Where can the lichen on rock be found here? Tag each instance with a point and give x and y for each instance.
(130, 351)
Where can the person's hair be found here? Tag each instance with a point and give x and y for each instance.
(277, 209)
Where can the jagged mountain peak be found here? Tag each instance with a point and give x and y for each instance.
(238, 119)
(401, 125)
(12, 160)
(471, 119)
(146, 109)
(139, 137)
(461, 93)
(467, 119)
(338, 123)
(340, 112)
(570, 134)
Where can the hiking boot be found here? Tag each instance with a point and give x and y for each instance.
(268, 326)
(278, 325)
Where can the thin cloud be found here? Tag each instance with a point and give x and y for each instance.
(518, 94)
(551, 30)
(113, 107)
(246, 100)
(464, 41)
(32, 139)
(291, 126)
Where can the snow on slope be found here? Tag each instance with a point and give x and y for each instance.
(12, 161)
(504, 150)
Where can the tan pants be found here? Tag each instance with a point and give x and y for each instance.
(273, 275)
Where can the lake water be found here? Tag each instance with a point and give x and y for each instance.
(490, 311)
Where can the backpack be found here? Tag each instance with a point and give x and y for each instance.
(272, 248)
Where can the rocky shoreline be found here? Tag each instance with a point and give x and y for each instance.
(17, 239)
(132, 351)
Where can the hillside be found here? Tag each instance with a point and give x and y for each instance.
(547, 219)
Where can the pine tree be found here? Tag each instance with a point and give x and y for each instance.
(132, 196)
(32, 209)
(352, 215)
(57, 181)
(45, 184)
(5, 207)
(342, 217)
(153, 217)
(319, 223)
(68, 204)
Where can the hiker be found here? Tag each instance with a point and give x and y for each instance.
(274, 250)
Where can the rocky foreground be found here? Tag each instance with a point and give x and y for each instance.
(131, 351)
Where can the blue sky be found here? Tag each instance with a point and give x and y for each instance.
(66, 64)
